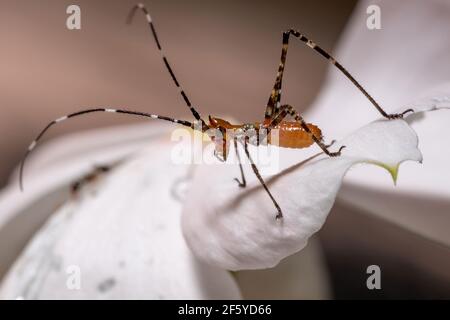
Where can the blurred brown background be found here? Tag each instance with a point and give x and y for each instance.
(225, 54)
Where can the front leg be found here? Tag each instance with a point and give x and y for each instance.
(274, 101)
(241, 183)
(261, 180)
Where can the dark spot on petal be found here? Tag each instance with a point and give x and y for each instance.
(106, 285)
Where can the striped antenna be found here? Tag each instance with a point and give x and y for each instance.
(166, 62)
(82, 112)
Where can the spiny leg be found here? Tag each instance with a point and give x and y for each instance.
(289, 110)
(222, 137)
(274, 100)
(339, 66)
(86, 111)
(273, 105)
(330, 144)
(261, 180)
(243, 183)
(166, 62)
(297, 117)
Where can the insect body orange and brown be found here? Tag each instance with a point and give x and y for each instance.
(292, 135)
(287, 134)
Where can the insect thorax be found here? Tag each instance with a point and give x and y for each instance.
(254, 133)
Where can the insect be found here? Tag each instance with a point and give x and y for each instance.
(294, 133)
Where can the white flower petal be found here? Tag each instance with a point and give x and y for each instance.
(236, 228)
(50, 171)
(421, 201)
(406, 57)
(395, 64)
(57, 164)
(123, 233)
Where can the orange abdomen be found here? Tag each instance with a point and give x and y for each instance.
(292, 135)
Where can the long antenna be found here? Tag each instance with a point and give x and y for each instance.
(82, 112)
(141, 6)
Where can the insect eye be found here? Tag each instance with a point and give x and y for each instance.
(213, 122)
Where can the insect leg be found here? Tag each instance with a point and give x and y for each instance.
(243, 183)
(166, 63)
(273, 105)
(333, 61)
(288, 109)
(261, 180)
(82, 112)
